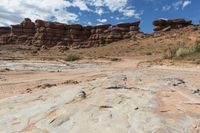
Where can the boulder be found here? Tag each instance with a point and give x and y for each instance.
(181, 22)
(160, 22)
(166, 25)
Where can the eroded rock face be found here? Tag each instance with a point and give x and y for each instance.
(49, 33)
(43, 33)
(165, 25)
(19, 34)
(5, 30)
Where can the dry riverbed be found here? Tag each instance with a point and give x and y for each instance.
(98, 96)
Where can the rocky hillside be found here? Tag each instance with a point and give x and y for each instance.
(47, 34)
(41, 39)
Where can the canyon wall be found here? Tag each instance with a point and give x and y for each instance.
(43, 33)
(40, 33)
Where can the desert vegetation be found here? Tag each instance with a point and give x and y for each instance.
(185, 53)
(72, 57)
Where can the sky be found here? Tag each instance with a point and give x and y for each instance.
(94, 12)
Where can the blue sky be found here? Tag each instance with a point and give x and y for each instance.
(93, 12)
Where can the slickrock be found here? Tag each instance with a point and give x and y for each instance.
(113, 97)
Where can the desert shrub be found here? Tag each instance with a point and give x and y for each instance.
(197, 62)
(72, 57)
(196, 48)
(148, 53)
(170, 53)
(181, 51)
(195, 29)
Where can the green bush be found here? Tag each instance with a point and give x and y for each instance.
(72, 57)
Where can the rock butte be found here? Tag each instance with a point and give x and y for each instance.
(42, 33)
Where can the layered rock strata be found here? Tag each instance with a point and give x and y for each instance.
(43, 33)
(165, 25)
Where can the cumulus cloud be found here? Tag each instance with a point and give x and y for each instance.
(129, 12)
(102, 20)
(13, 11)
(120, 6)
(100, 11)
(81, 5)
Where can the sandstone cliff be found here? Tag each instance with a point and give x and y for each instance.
(165, 25)
(49, 34)
(43, 33)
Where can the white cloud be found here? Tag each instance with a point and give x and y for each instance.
(120, 6)
(181, 4)
(81, 5)
(13, 11)
(128, 12)
(186, 3)
(102, 20)
(115, 5)
(100, 11)
(166, 8)
(117, 18)
(96, 3)
(89, 23)
(177, 5)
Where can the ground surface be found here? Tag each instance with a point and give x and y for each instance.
(98, 96)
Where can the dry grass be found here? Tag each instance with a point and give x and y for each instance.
(72, 57)
(184, 53)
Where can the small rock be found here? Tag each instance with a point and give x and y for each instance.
(175, 81)
(105, 106)
(196, 91)
(82, 94)
(136, 108)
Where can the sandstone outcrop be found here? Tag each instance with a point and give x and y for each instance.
(19, 34)
(165, 25)
(43, 33)
(5, 30)
(48, 34)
